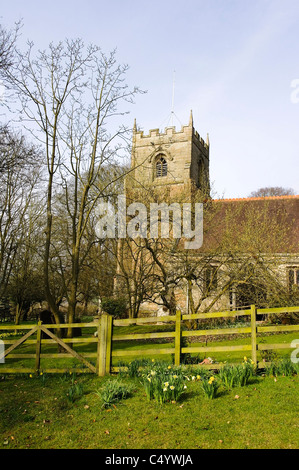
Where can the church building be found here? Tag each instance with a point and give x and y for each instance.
(250, 250)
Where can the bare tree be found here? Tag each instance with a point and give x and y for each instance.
(8, 40)
(70, 96)
(241, 254)
(134, 273)
(25, 286)
(19, 179)
(16, 151)
(272, 191)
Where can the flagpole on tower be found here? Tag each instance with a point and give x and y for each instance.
(172, 102)
(172, 115)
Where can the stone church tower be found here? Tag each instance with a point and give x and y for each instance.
(174, 159)
(166, 167)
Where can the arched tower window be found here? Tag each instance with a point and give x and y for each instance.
(161, 167)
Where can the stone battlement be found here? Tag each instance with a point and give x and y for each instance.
(185, 156)
(171, 132)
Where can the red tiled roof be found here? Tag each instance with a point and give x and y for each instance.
(257, 198)
(269, 223)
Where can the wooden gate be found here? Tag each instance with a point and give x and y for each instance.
(38, 329)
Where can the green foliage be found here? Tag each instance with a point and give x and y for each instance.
(237, 376)
(113, 391)
(164, 383)
(43, 378)
(267, 355)
(75, 392)
(116, 307)
(283, 367)
(9, 334)
(187, 358)
(210, 387)
(198, 371)
(138, 367)
(134, 367)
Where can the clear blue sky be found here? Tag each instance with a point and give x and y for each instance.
(234, 62)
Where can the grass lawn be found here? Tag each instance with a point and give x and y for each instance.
(36, 414)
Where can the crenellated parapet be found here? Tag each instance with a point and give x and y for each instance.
(173, 157)
(171, 134)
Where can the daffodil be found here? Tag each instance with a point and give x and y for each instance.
(166, 384)
(169, 367)
(165, 389)
(175, 376)
(198, 377)
(171, 387)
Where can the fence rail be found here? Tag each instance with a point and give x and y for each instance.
(106, 339)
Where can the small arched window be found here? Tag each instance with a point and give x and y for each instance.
(161, 167)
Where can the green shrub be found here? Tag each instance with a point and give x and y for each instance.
(116, 307)
(267, 355)
(187, 358)
(113, 391)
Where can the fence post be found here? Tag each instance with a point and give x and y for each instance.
(104, 345)
(38, 347)
(253, 333)
(109, 343)
(101, 346)
(2, 352)
(98, 347)
(177, 341)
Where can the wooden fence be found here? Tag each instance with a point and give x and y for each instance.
(63, 343)
(106, 336)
